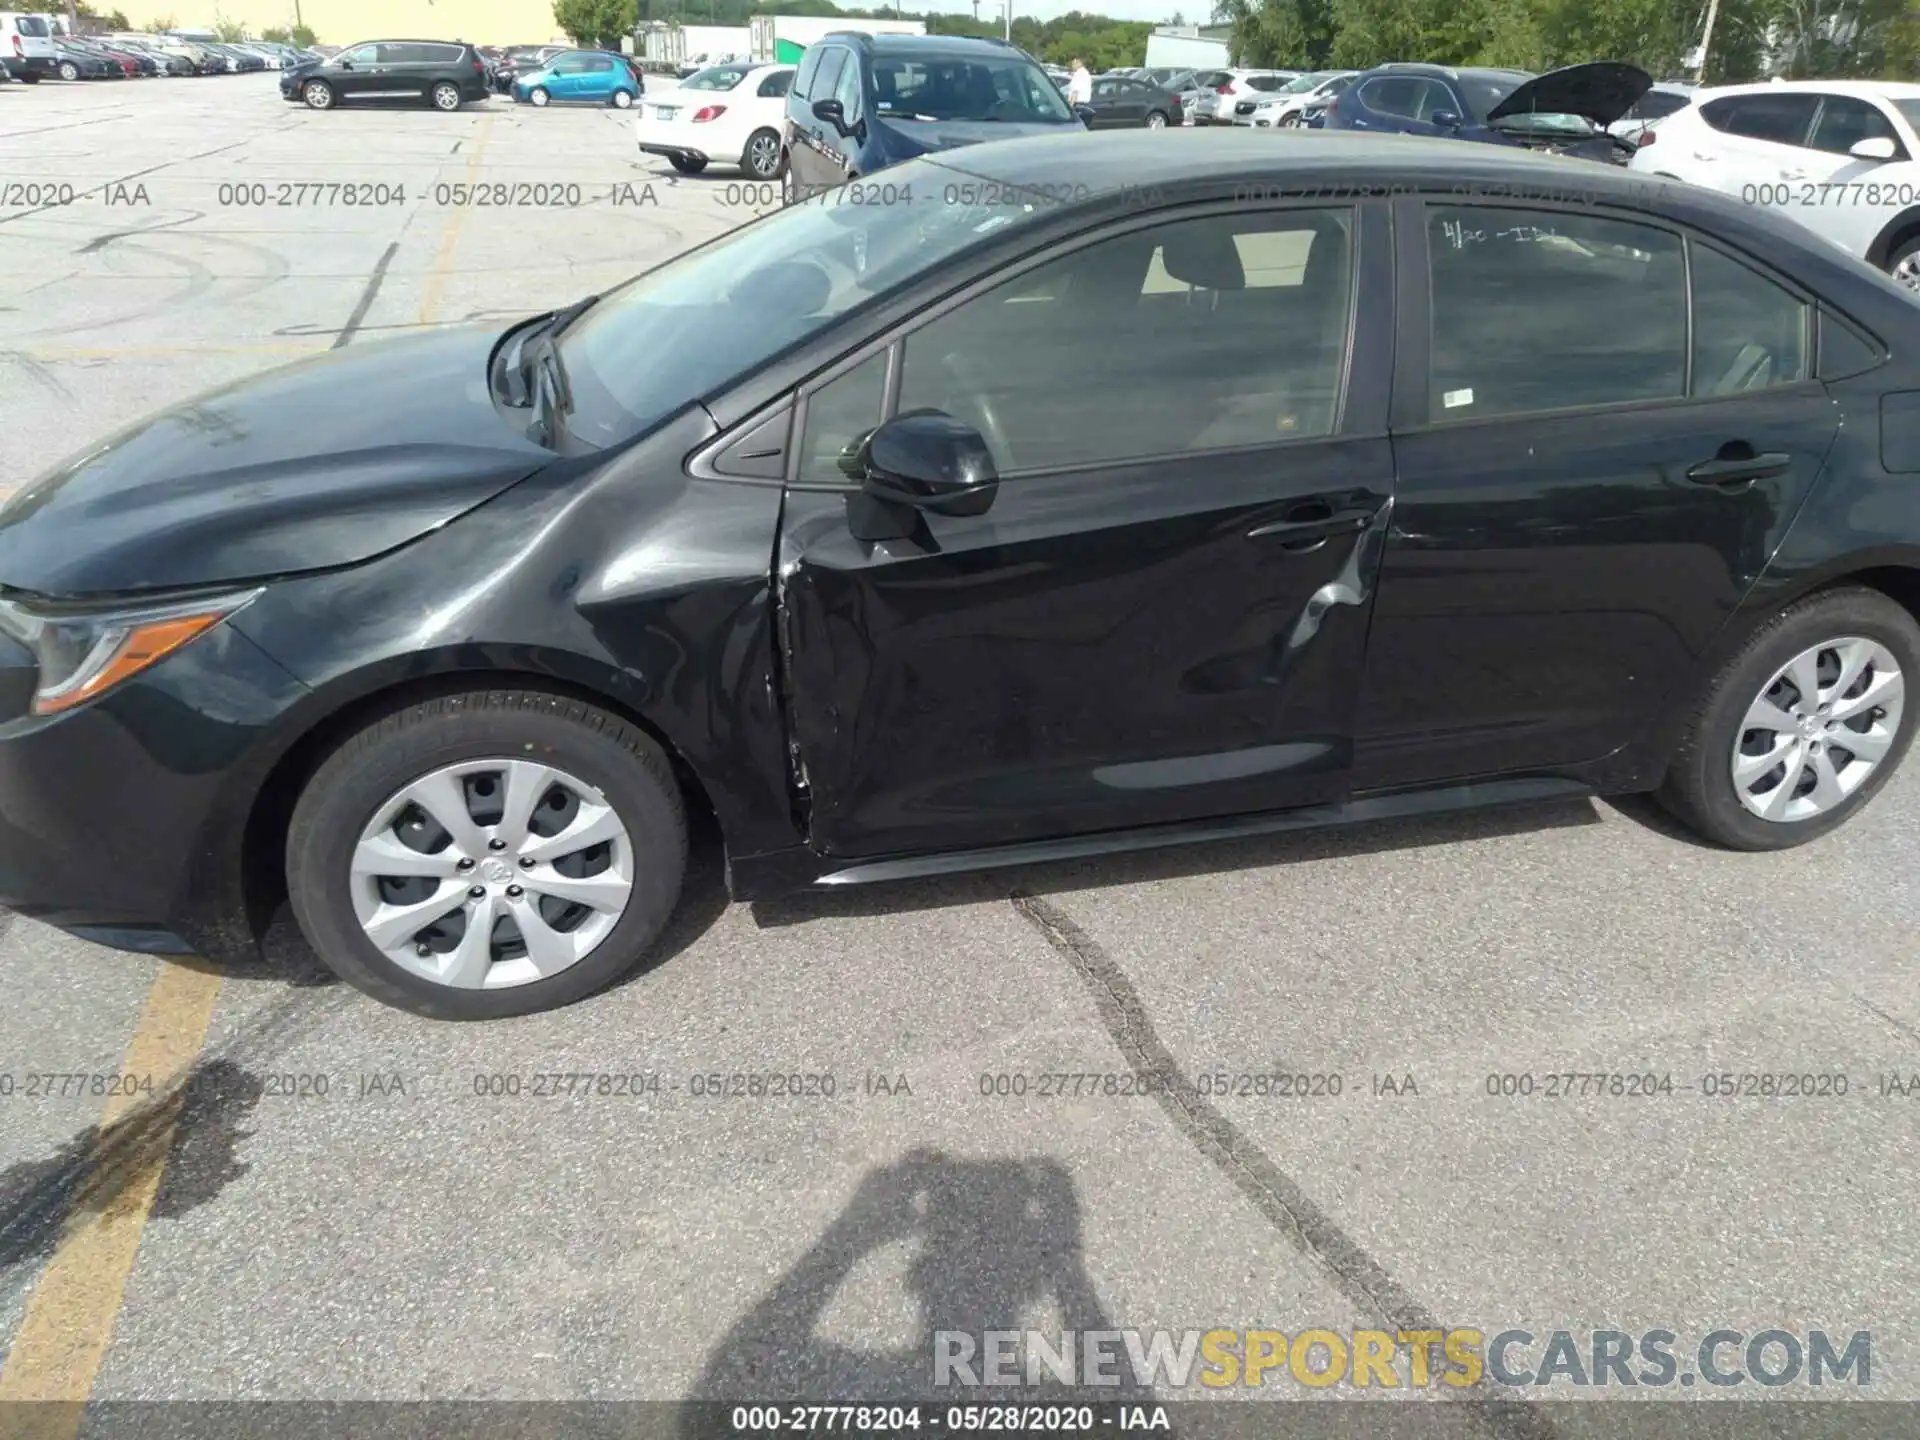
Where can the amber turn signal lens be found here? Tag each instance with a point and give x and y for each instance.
(142, 646)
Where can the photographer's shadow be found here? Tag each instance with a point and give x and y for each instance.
(995, 1245)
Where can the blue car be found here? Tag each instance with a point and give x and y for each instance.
(1565, 111)
(861, 102)
(580, 76)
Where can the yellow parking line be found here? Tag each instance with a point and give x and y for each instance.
(70, 1316)
(450, 237)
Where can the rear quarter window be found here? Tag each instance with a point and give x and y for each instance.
(31, 25)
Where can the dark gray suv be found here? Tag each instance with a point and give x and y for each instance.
(444, 73)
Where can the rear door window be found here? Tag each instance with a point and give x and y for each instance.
(1393, 95)
(31, 25)
(776, 84)
(1778, 119)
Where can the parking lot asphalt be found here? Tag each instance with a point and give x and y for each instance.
(419, 1231)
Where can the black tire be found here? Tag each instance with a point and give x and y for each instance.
(1903, 261)
(1699, 789)
(687, 164)
(623, 763)
(789, 183)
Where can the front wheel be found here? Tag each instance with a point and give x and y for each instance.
(623, 99)
(1904, 263)
(488, 854)
(1291, 122)
(446, 96)
(762, 158)
(318, 95)
(1802, 728)
(687, 164)
(69, 70)
(538, 95)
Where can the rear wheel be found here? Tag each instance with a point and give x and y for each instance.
(623, 99)
(1802, 728)
(488, 854)
(761, 158)
(318, 95)
(446, 96)
(687, 164)
(1904, 263)
(1156, 120)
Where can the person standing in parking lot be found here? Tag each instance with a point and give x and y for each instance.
(1079, 84)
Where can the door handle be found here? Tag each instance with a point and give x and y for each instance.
(1703, 156)
(1793, 174)
(1308, 525)
(1731, 470)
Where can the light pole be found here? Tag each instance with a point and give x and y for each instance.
(1706, 40)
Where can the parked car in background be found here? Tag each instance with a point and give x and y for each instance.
(1124, 101)
(1285, 106)
(198, 57)
(520, 60)
(580, 77)
(76, 62)
(245, 61)
(1841, 157)
(121, 61)
(1215, 106)
(169, 63)
(26, 45)
(1665, 98)
(1565, 111)
(445, 74)
(730, 115)
(861, 103)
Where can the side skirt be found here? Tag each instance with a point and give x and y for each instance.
(764, 876)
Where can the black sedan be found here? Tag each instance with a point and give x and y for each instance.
(1130, 102)
(75, 62)
(972, 534)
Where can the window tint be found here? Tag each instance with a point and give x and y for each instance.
(1202, 334)
(1393, 95)
(827, 80)
(596, 64)
(803, 78)
(777, 83)
(1782, 119)
(1657, 105)
(1102, 88)
(30, 25)
(1266, 82)
(364, 55)
(1010, 89)
(716, 77)
(1748, 333)
(1485, 92)
(1539, 310)
(839, 415)
(1845, 121)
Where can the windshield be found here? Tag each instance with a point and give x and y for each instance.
(719, 77)
(679, 332)
(986, 88)
(1304, 84)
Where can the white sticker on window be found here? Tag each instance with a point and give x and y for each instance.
(1454, 398)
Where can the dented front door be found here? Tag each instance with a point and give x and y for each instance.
(1136, 645)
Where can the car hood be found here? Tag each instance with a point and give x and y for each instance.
(924, 137)
(322, 463)
(1602, 92)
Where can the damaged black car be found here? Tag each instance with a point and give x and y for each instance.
(969, 534)
(1564, 112)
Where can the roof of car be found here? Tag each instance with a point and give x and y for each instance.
(891, 44)
(1865, 89)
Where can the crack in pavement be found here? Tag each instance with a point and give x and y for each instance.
(1356, 1274)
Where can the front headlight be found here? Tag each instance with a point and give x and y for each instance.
(84, 651)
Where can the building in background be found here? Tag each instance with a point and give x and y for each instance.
(1192, 47)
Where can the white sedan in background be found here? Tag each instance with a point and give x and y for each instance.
(1840, 156)
(729, 114)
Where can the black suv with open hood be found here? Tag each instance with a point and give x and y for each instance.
(1565, 111)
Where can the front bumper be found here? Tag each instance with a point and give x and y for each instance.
(123, 820)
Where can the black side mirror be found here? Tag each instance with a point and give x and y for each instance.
(1085, 114)
(1445, 119)
(921, 460)
(832, 112)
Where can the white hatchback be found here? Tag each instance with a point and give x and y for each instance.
(731, 114)
(1842, 157)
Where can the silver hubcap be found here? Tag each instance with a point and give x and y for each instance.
(447, 98)
(539, 97)
(1820, 727)
(1907, 271)
(319, 96)
(492, 873)
(1156, 122)
(766, 154)
(622, 99)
